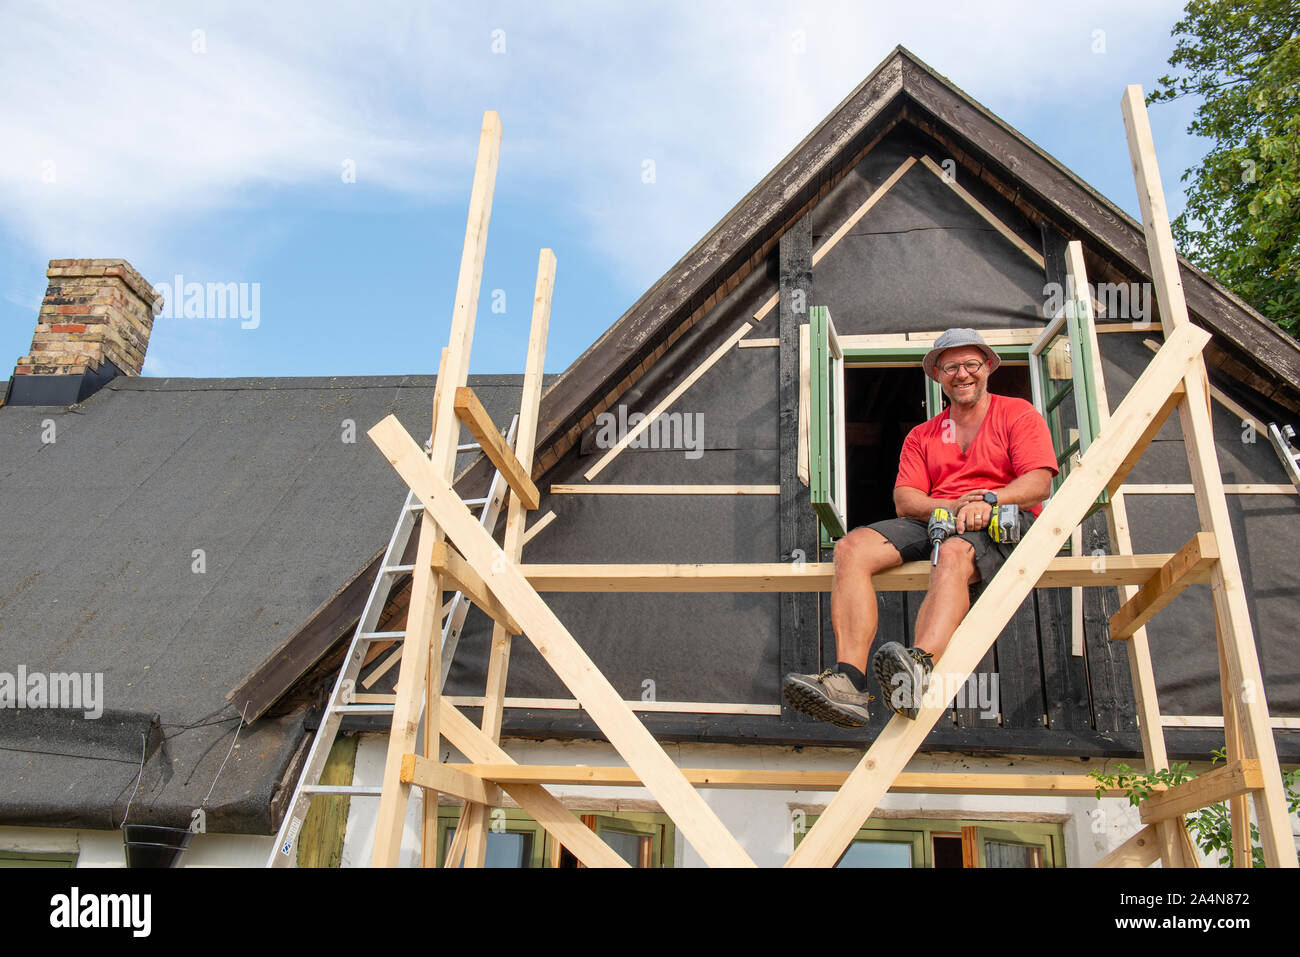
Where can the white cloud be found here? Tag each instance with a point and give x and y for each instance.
(146, 136)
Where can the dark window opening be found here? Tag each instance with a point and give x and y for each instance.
(882, 404)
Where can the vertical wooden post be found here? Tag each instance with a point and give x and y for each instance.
(1139, 650)
(474, 819)
(1243, 674)
(421, 654)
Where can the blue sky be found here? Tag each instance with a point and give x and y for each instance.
(219, 154)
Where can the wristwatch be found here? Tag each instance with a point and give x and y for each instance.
(991, 498)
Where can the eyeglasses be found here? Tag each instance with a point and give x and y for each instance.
(972, 367)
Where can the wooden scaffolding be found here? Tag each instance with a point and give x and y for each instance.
(457, 553)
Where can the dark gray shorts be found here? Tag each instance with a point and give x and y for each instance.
(908, 535)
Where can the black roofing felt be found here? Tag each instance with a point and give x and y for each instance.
(98, 573)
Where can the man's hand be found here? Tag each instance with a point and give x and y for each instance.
(973, 516)
(975, 496)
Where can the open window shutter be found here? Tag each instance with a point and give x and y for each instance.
(1062, 367)
(826, 436)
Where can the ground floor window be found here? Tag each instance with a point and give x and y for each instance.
(928, 842)
(642, 838)
(24, 859)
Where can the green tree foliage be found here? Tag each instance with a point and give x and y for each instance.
(1242, 221)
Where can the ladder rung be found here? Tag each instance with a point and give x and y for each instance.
(468, 447)
(362, 709)
(356, 790)
(396, 569)
(475, 502)
(381, 635)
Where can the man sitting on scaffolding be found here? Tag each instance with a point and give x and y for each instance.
(982, 452)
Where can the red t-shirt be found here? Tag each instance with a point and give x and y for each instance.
(1012, 440)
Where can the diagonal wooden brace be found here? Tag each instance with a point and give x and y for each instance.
(599, 699)
(901, 738)
(1220, 784)
(470, 411)
(1189, 562)
(540, 804)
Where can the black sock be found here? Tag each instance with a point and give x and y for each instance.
(857, 677)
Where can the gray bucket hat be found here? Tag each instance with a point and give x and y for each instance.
(951, 340)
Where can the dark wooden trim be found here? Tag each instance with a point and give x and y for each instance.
(800, 632)
(305, 647)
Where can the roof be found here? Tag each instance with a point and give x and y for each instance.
(901, 88)
(171, 535)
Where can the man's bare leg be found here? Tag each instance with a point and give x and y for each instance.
(855, 613)
(903, 673)
(948, 598)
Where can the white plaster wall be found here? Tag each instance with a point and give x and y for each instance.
(96, 848)
(763, 821)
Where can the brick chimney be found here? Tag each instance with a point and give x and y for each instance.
(94, 325)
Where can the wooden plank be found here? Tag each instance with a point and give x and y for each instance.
(474, 819)
(696, 820)
(658, 707)
(1238, 806)
(1176, 488)
(901, 738)
(421, 655)
(1141, 673)
(1140, 850)
(1174, 576)
(1087, 571)
(759, 343)
(1213, 786)
(434, 776)
(762, 779)
(1231, 611)
(537, 527)
(537, 802)
(876, 196)
(464, 578)
(1008, 233)
(470, 411)
(665, 490)
(634, 432)
(1216, 721)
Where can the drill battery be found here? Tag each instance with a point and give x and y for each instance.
(1004, 525)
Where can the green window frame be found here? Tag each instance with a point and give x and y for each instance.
(653, 832)
(1070, 338)
(37, 859)
(919, 833)
(828, 358)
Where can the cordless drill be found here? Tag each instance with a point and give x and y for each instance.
(1003, 527)
(941, 525)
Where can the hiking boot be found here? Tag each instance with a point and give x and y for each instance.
(829, 696)
(904, 676)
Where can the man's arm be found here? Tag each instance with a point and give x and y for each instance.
(1028, 489)
(913, 503)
